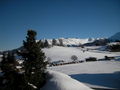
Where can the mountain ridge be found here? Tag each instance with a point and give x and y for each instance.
(115, 37)
(74, 41)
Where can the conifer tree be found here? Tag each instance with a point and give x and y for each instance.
(61, 42)
(41, 44)
(46, 43)
(7, 67)
(34, 60)
(9, 81)
(8, 62)
(54, 42)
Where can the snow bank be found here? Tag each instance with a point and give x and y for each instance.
(60, 81)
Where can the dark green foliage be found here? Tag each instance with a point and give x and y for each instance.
(117, 41)
(34, 63)
(91, 59)
(61, 42)
(54, 42)
(8, 62)
(106, 58)
(101, 42)
(46, 44)
(109, 58)
(114, 48)
(33, 71)
(41, 44)
(11, 79)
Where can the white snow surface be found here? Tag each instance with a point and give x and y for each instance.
(99, 74)
(57, 53)
(60, 81)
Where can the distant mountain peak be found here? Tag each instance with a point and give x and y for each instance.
(77, 41)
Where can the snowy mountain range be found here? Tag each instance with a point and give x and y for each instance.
(71, 41)
(78, 41)
(86, 41)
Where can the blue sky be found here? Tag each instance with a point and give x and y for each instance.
(57, 18)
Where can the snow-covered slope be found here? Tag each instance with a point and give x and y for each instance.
(100, 74)
(64, 53)
(115, 37)
(60, 81)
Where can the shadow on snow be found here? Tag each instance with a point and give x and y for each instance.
(109, 80)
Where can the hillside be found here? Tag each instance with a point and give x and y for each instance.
(100, 74)
(103, 75)
(57, 53)
(60, 81)
(115, 37)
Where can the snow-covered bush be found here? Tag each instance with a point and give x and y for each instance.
(74, 57)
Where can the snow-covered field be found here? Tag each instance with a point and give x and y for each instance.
(98, 74)
(57, 53)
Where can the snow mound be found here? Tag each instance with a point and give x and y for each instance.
(60, 81)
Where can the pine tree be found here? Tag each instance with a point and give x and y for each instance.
(41, 44)
(34, 60)
(61, 42)
(8, 62)
(46, 43)
(9, 81)
(54, 42)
